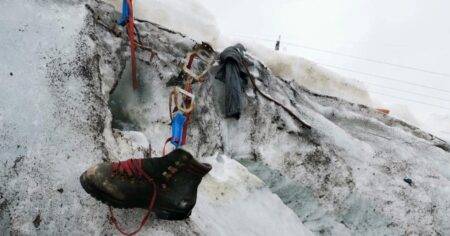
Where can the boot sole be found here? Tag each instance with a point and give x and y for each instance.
(171, 215)
(110, 201)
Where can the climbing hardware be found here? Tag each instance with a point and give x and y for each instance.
(163, 191)
(179, 116)
(204, 53)
(173, 99)
(202, 57)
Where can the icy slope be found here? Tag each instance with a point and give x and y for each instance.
(345, 176)
(55, 123)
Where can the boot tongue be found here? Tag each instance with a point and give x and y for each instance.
(156, 167)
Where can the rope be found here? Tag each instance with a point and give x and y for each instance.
(134, 167)
(144, 219)
(252, 79)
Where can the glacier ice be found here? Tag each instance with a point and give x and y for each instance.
(269, 176)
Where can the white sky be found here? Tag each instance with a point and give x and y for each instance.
(413, 33)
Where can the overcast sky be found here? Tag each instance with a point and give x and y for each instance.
(414, 33)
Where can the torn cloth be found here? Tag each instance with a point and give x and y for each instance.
(232, 72)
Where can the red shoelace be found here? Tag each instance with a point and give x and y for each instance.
(133, 167)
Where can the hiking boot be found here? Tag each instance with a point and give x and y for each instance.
(167, 184)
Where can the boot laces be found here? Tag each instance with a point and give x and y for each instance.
(132, 167)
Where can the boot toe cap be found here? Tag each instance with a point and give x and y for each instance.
(99, 182)
(95, 181)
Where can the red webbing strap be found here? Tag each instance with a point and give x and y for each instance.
(165, 144)
(131, 36)
(191, 60)
(187, 100)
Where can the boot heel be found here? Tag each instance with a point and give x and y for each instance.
(167, 215)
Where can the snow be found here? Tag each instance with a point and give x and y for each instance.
(188, 17)
(193, 19)
(49, 137)
(244, 205)
(58, 116)
(45, 128)
(437, 123)
(231, 200)
(402, 112)
(310, 75)
(197, 22)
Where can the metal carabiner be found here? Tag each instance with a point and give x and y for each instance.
(203, 55)
(173, 99)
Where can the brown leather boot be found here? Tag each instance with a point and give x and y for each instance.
(167, 184)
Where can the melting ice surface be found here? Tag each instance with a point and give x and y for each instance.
(270, 177)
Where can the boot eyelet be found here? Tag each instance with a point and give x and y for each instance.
(167, 175)
(172, 169)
